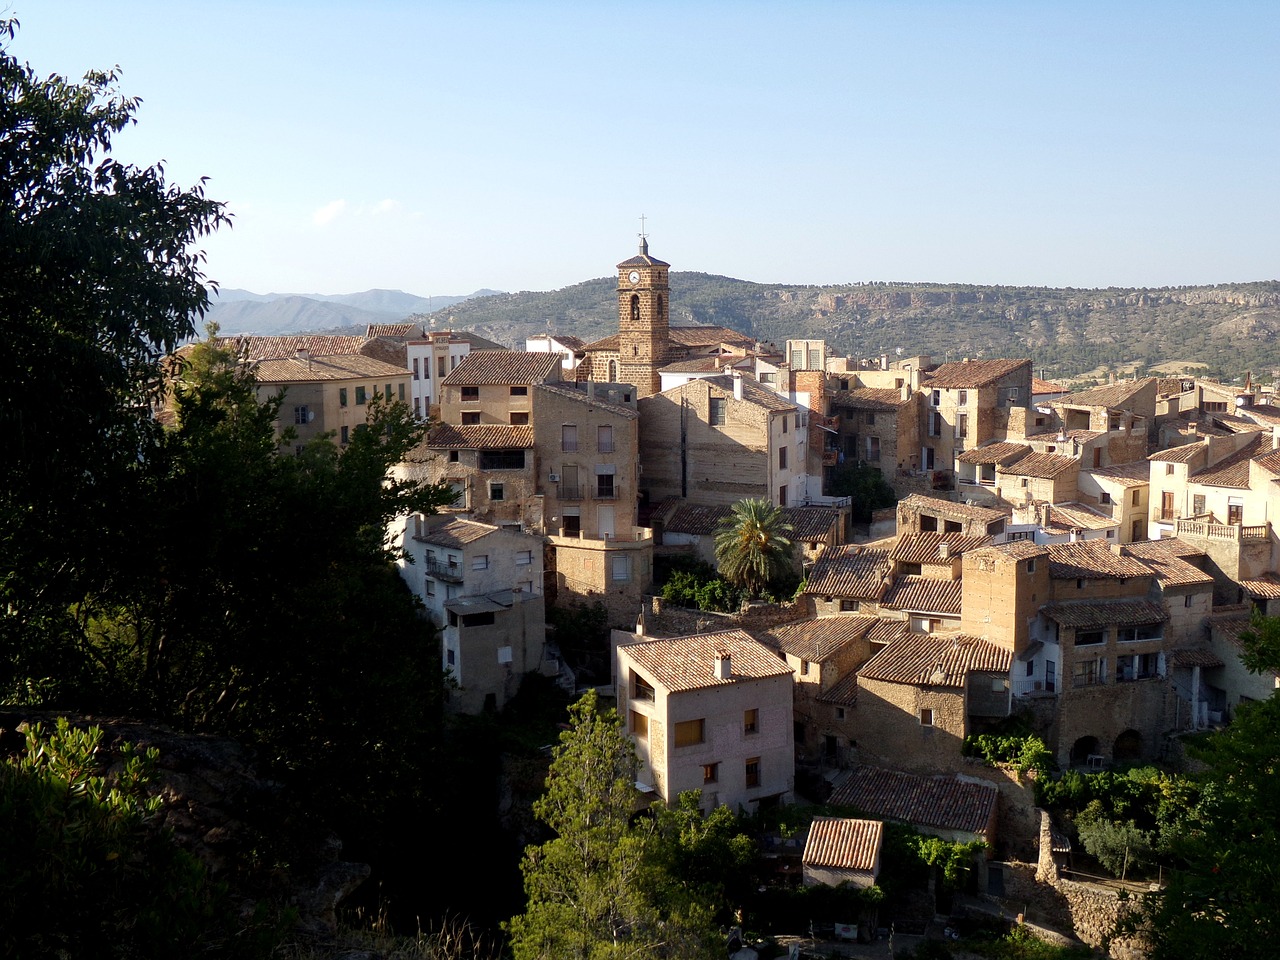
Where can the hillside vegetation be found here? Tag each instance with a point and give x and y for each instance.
(1069, 332)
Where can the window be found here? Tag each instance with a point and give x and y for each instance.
(873, 449)
(782, 458)
(415, 368)
(501, 459)
(782, 495)
(935, 424)
(1134, 499)
(716, 415)
(430, 587)
(569, 437)
(962, 397)
(477, 620)
(926, 717)
(641, 689)
(441, 369)
(620, 567)
(1085, 638)
(751, 721)
(849, 606)
(451, 656)
(401, 392)
(524, 558)
(470, 393)
(604, 438)
(768, 378)
(710, 772)
(453, 456)
(417, 406)
(360, 397)
(753, 772)
(1168, 469)
(935, 399)
(784, 424)
(839, 713)
(519, 419)
(639, 725)
(301, 415)
(520, 391)
(1104, 498)
(480, 562)
(471, 419)
(1186, 601)
(345, 435)
(1031, 565)
(804, 668)
(1088, 672)
(690, 732)
(504, 654)
(1235, 513)
(1146, 631)
(1197, 505)
(962, 425)
(871, 419)
(342, 396)
(386, 391)
(496, 491)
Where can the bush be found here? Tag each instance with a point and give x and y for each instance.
(1119, 847)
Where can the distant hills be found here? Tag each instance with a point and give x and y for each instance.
(1226, 328)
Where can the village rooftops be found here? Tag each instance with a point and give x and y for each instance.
(1043, 466)
(680, 664)
(1092, 560)
(1184, 453)
(565, 340)
(330, 368)
(843, 693)
(922, 660)
(1126, 474)
(396, 331)
(949, 509)
(1100, 613)
(1233, 471)
(923, 595)
(1013, 550)
(844, 843)
(454, 533)
(480, 436)
(278, 348)
(698, 365)
(934, 548)
(1195, 657)
(689, 337)
(752, 392)
(854, 572)
(578, 391)
(1001, 453)
(870, 398)
(941, 802)
(1265, 587)
(817, 639)
(1113, 396)
(486, 367)
(1040, 387)
(1065, 517)
(971, 374)
(1169, 564)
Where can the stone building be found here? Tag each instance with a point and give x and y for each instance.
(968, 404)
(842, 850)
(921, 514)
(850, 579)
(952, 807)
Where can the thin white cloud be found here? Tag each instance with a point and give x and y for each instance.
(329, 212)
(386, 206)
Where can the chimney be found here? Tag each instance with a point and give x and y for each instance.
(944, 550)
(302, 355)
(905, 393)
(724, 665)
(1275, 438)
(1117, 549)
(737, 386)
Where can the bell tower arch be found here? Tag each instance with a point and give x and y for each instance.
(644, 328)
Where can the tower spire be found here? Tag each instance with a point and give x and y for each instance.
(644, 238)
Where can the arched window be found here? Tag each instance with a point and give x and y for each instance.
(613, 371)
(659, 313)
(635, 306)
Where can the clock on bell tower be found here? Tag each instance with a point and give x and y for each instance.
(644, 330)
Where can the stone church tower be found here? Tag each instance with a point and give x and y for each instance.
(643, 320)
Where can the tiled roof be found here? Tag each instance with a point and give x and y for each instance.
(1039, 386)
(869, 398)
(844, 843)
(1195, 657)
(971, 373)
(276, 348)
(887, 631)
(456, 533)
(1169, 564)
(843, 693)
(1265, 587)
(1045, 466)
(810, 524)
(807, 523)
(399, 331)
(343, 367)
(1100, 613)
(1229, 624)
(503, 366)
(684, 337)
(1091, 560)
(752, 392)
(689, 663)
(1014, 550)
(1113, 395)
(853, 572)
(1269, 462)
(926, 548)
(923, 595)
(922, 660)
(1184, 453)
(1126, 474)
(1001, 453)
(945, 802)
(564, 339)
(919, 503)
(481, 436)
(567, 390)
(697, 520)
(696, 365)
(1065, 517)
(819, 638)
(1233, 471)
(1164, 547)
(1265, 414)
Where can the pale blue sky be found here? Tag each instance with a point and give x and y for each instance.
(442, 147)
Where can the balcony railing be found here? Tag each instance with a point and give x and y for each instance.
(1221, 531)
(605, 493)
(451, 573)
(1023, 687)
(570, 493)
(604, 446)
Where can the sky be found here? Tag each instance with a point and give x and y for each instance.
(441, 148)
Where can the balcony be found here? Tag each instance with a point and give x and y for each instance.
(604, 493)
(1221, 531)
(448, 572)
(1026, 688)
(570, 493)
(604, 446)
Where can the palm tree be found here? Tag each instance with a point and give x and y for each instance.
(752, 547)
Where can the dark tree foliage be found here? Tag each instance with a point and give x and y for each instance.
(865, 486)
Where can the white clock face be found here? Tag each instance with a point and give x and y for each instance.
(634, 276)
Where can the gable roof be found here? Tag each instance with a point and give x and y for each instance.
(855, 572)
(919, 503)
(886, 400)
(923, 595)
(752, 392)
(1233, 471)
(330, 368)
(680, 664)
(1092, 560)
(923, 660)
(480, 436)
(276, 348)
(1112, 395)
(397, 331)
(570, 392)
(682, 337)
(926, 548)
(1043, 466)
(844, 843)
(1065, 517)
(817, 639)
(1101, 613)
(1169, 564)
(456, 533)
(943, 802)
(1000, 453)
(972, 373)
(1135, 474)
(481, 367)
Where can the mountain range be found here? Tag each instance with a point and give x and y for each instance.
(1219, 330)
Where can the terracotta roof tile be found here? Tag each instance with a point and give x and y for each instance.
(1171, 568)
(972, 373)
(810, 524)
(1164, 547)
(276, 348)
(456, 533)
(923, 595)
(579, 393)
(1265, 587)
(1113, 395)
(1065, 517)
(399, 331)
(1230, 624)
(1045, 466)
(919, 503)
(854, 572)
(330, 368)
(1195, 657)
(1233, 471)
(1127, 474)
(752, 392)
(683, 337)
(688, 663)
(697, 365)
(945, 802)
(844, 843)
(870, 398)
(503, 366)
(923, 660)
(1039, 386)
(1092, 560)
(1184, 453)
(927, 548)
(480, 436)
(1014, 550)
(843, 693)
(817, 639)
(1099, 613)
(1000, 453)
